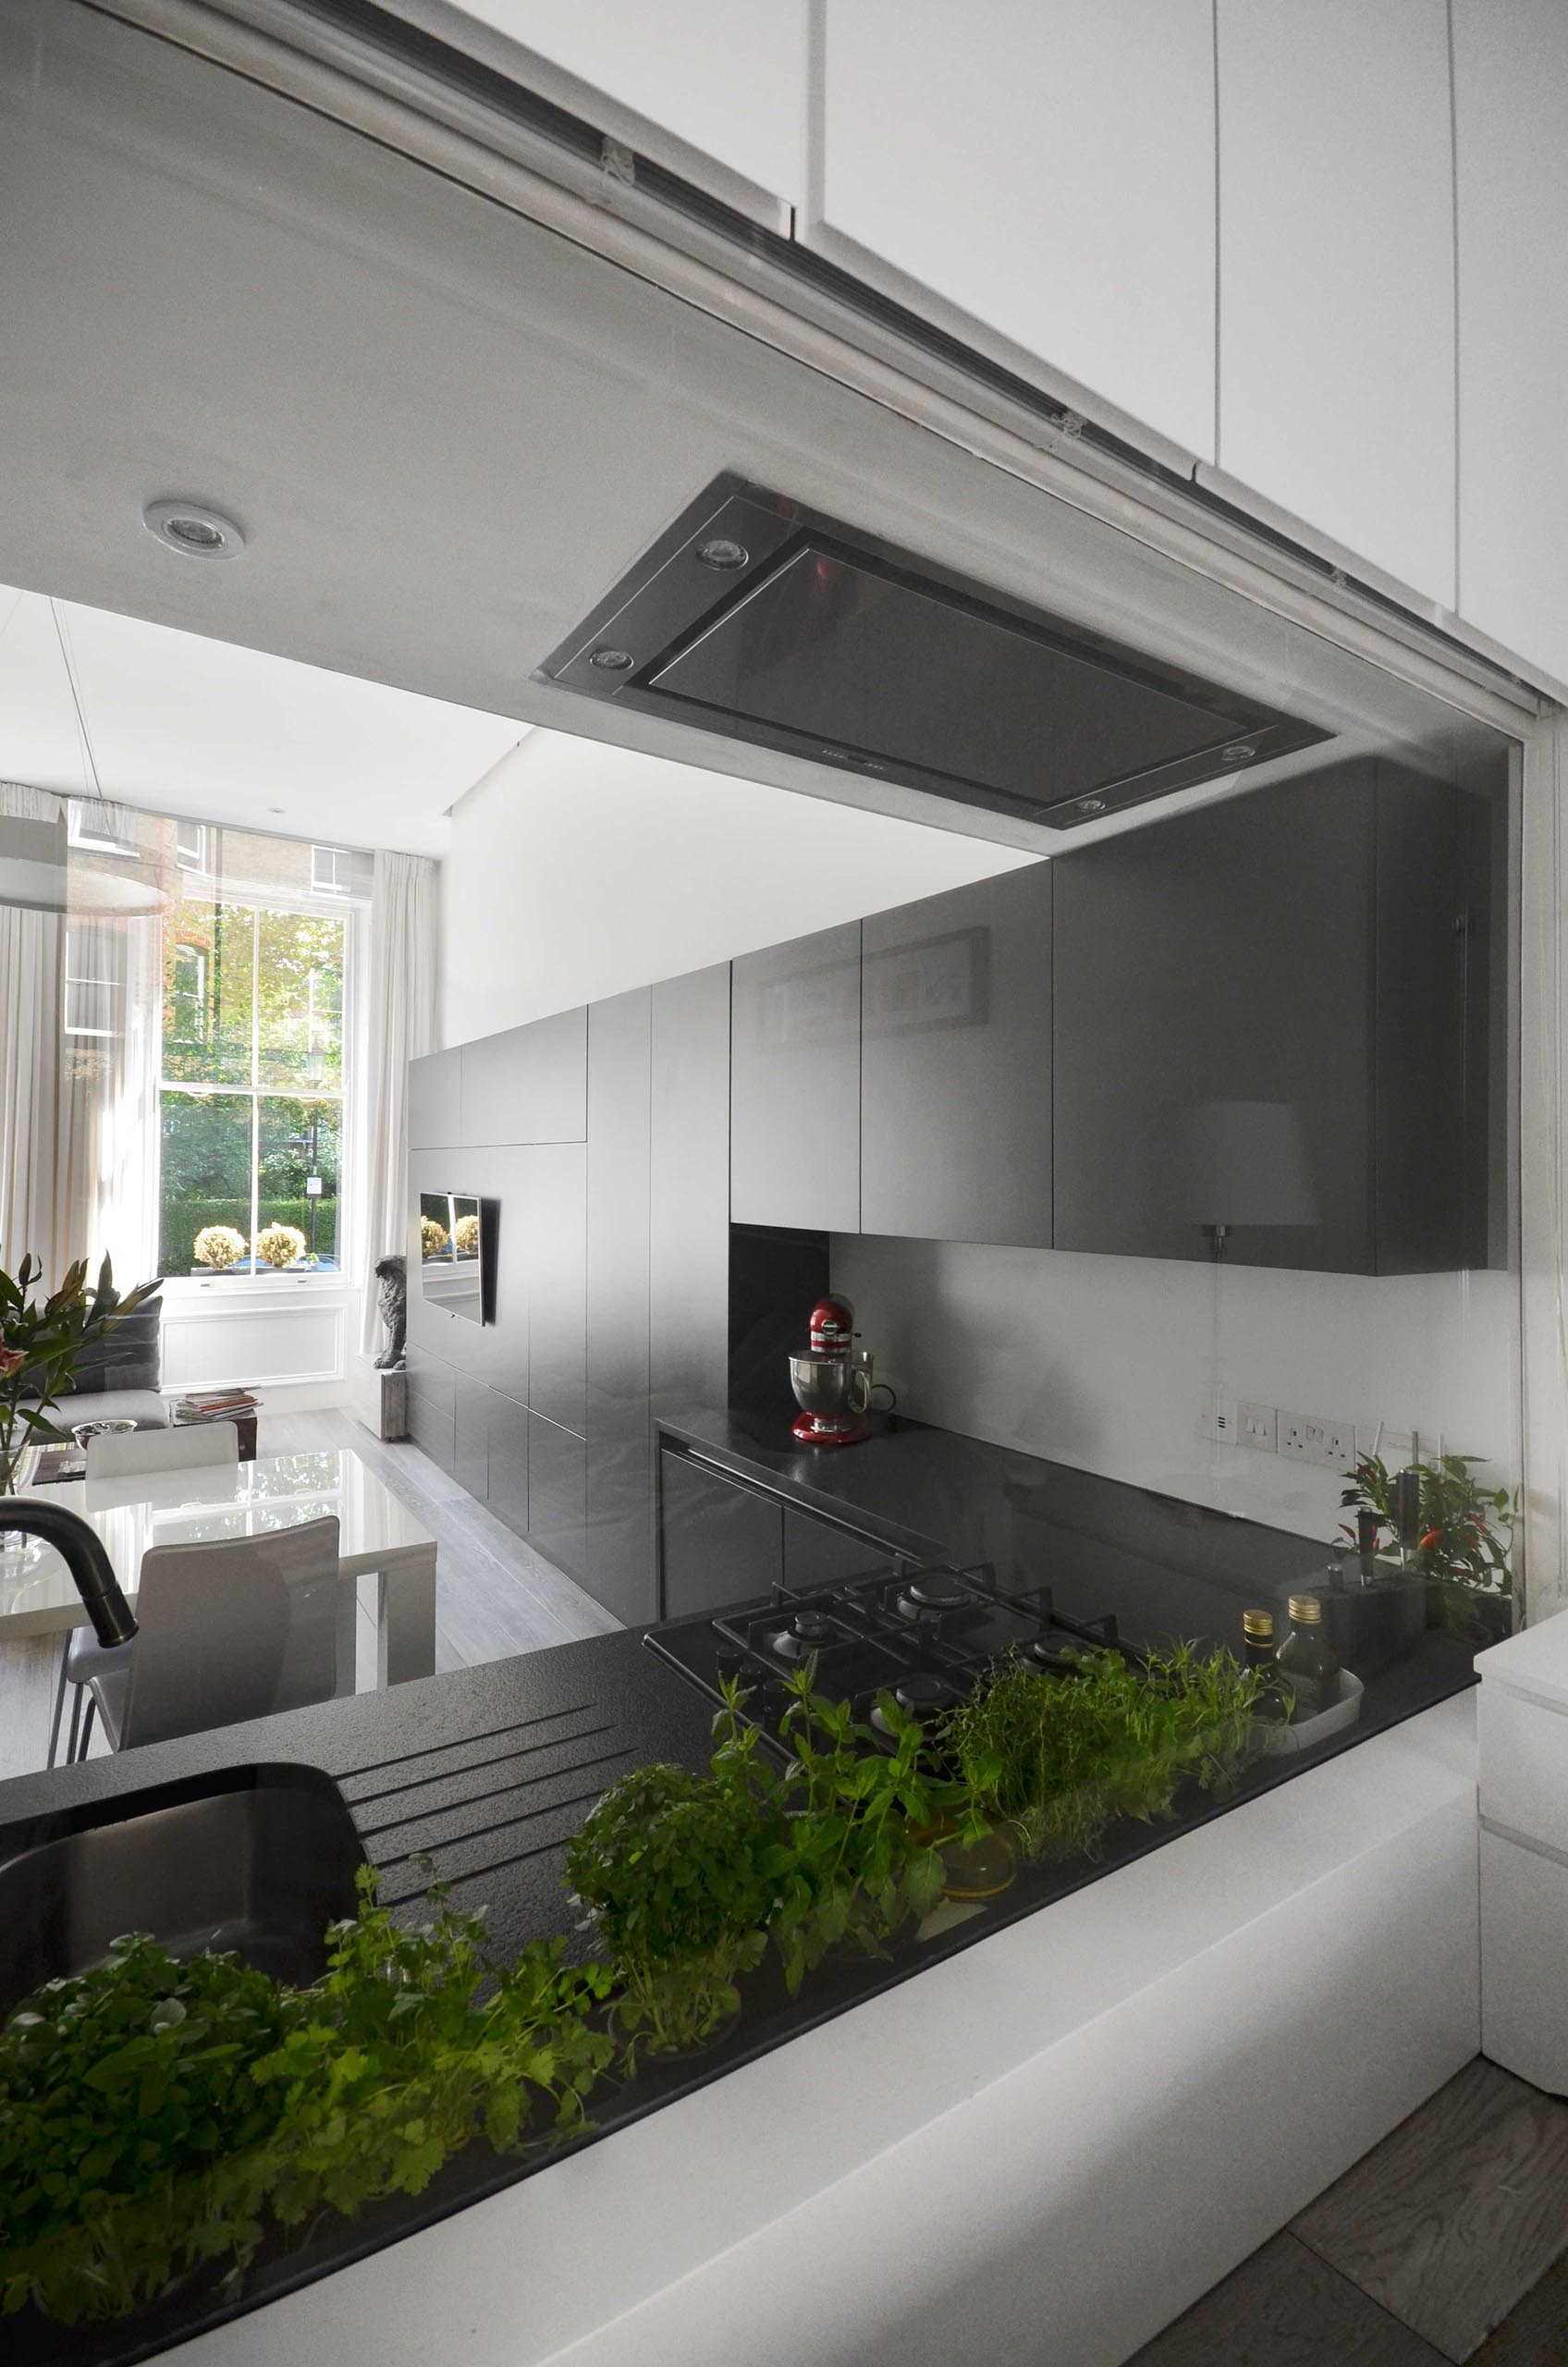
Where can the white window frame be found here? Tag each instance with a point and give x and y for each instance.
(332, 884)
(335, 1277)
(79, 832)
(189, 858)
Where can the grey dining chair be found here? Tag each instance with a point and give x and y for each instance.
(228, 1630)
(193, 1446)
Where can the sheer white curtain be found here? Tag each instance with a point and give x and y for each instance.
(41, 1209)
(78, 1140)
(399, 980)
(110, 1060)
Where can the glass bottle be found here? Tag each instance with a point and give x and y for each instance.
(1306, 1659)
(1257, 1638)
(1258, 1658)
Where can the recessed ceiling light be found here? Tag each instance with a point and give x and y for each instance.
(193, 529)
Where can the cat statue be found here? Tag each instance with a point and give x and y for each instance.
(392, 1275)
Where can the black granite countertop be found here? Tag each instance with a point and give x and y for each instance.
(489, 1771)
(1166, 1567)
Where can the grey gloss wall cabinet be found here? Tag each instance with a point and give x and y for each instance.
(618, 1489)
(502, 1408)
(1261, 1018)
(1271, 1014)
(794, 1153)
(689, 1191)
(613, 1282)
(955, 1104)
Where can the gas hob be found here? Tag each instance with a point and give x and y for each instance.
(922, 1636)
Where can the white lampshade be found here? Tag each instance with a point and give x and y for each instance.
(1245, 1162)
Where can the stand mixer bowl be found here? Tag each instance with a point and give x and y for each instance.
(832, 1391)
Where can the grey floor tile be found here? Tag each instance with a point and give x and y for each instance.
(1457, 2214)
(1286, 2308)
(1535, 2333)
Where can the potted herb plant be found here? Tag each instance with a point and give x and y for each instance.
(1061, 1758)
(1465, 1549)
(158, 2117)
(674, 1869)
(855, 1859)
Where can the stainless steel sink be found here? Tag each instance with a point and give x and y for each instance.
(257, 1860)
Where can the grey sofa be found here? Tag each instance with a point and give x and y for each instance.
(118, 1378)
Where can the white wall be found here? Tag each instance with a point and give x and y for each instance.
(1361, 200)
(1110, 1363)
(577, 870)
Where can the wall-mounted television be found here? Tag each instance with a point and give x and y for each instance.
(457, 1254)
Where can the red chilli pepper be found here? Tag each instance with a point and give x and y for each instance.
(1430, 1538)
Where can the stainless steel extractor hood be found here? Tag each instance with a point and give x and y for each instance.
(756, 618)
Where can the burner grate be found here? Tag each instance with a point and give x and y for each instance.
(922, 1635)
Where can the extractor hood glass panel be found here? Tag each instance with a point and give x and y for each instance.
(827, 646)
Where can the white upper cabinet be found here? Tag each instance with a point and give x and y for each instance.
(713, 90)
(1510, 111)
(1038, 177)
(1336, 273)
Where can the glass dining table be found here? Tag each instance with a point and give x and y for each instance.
(386, 1558)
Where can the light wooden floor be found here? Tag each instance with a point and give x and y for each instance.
(1448, 2243)
(494, 1596)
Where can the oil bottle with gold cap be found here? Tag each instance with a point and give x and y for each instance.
(1258, 1657)
(1306, 1659)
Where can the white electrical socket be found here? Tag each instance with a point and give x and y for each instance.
(1317, 1438)
(1339, 1443)
(1222, 1421)
(1256, 1426)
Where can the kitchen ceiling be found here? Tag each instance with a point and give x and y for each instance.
(184, 725)
(446, 432)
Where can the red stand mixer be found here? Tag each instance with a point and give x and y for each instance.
(832, 1381)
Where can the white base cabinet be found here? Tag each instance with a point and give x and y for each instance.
(1521, 1757)
(1044, 2148)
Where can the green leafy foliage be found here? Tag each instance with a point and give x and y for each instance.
(852, 1860)
(1467, 1531)
(40, 1341)
(1465, 1549)
(153, 2114)
(157, 2117)
(133, 2127)
(411, 2044)
(1061, 1758)
(673, 1867)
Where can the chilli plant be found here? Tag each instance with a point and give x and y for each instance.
(40, 1339)
(1466, 1538)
